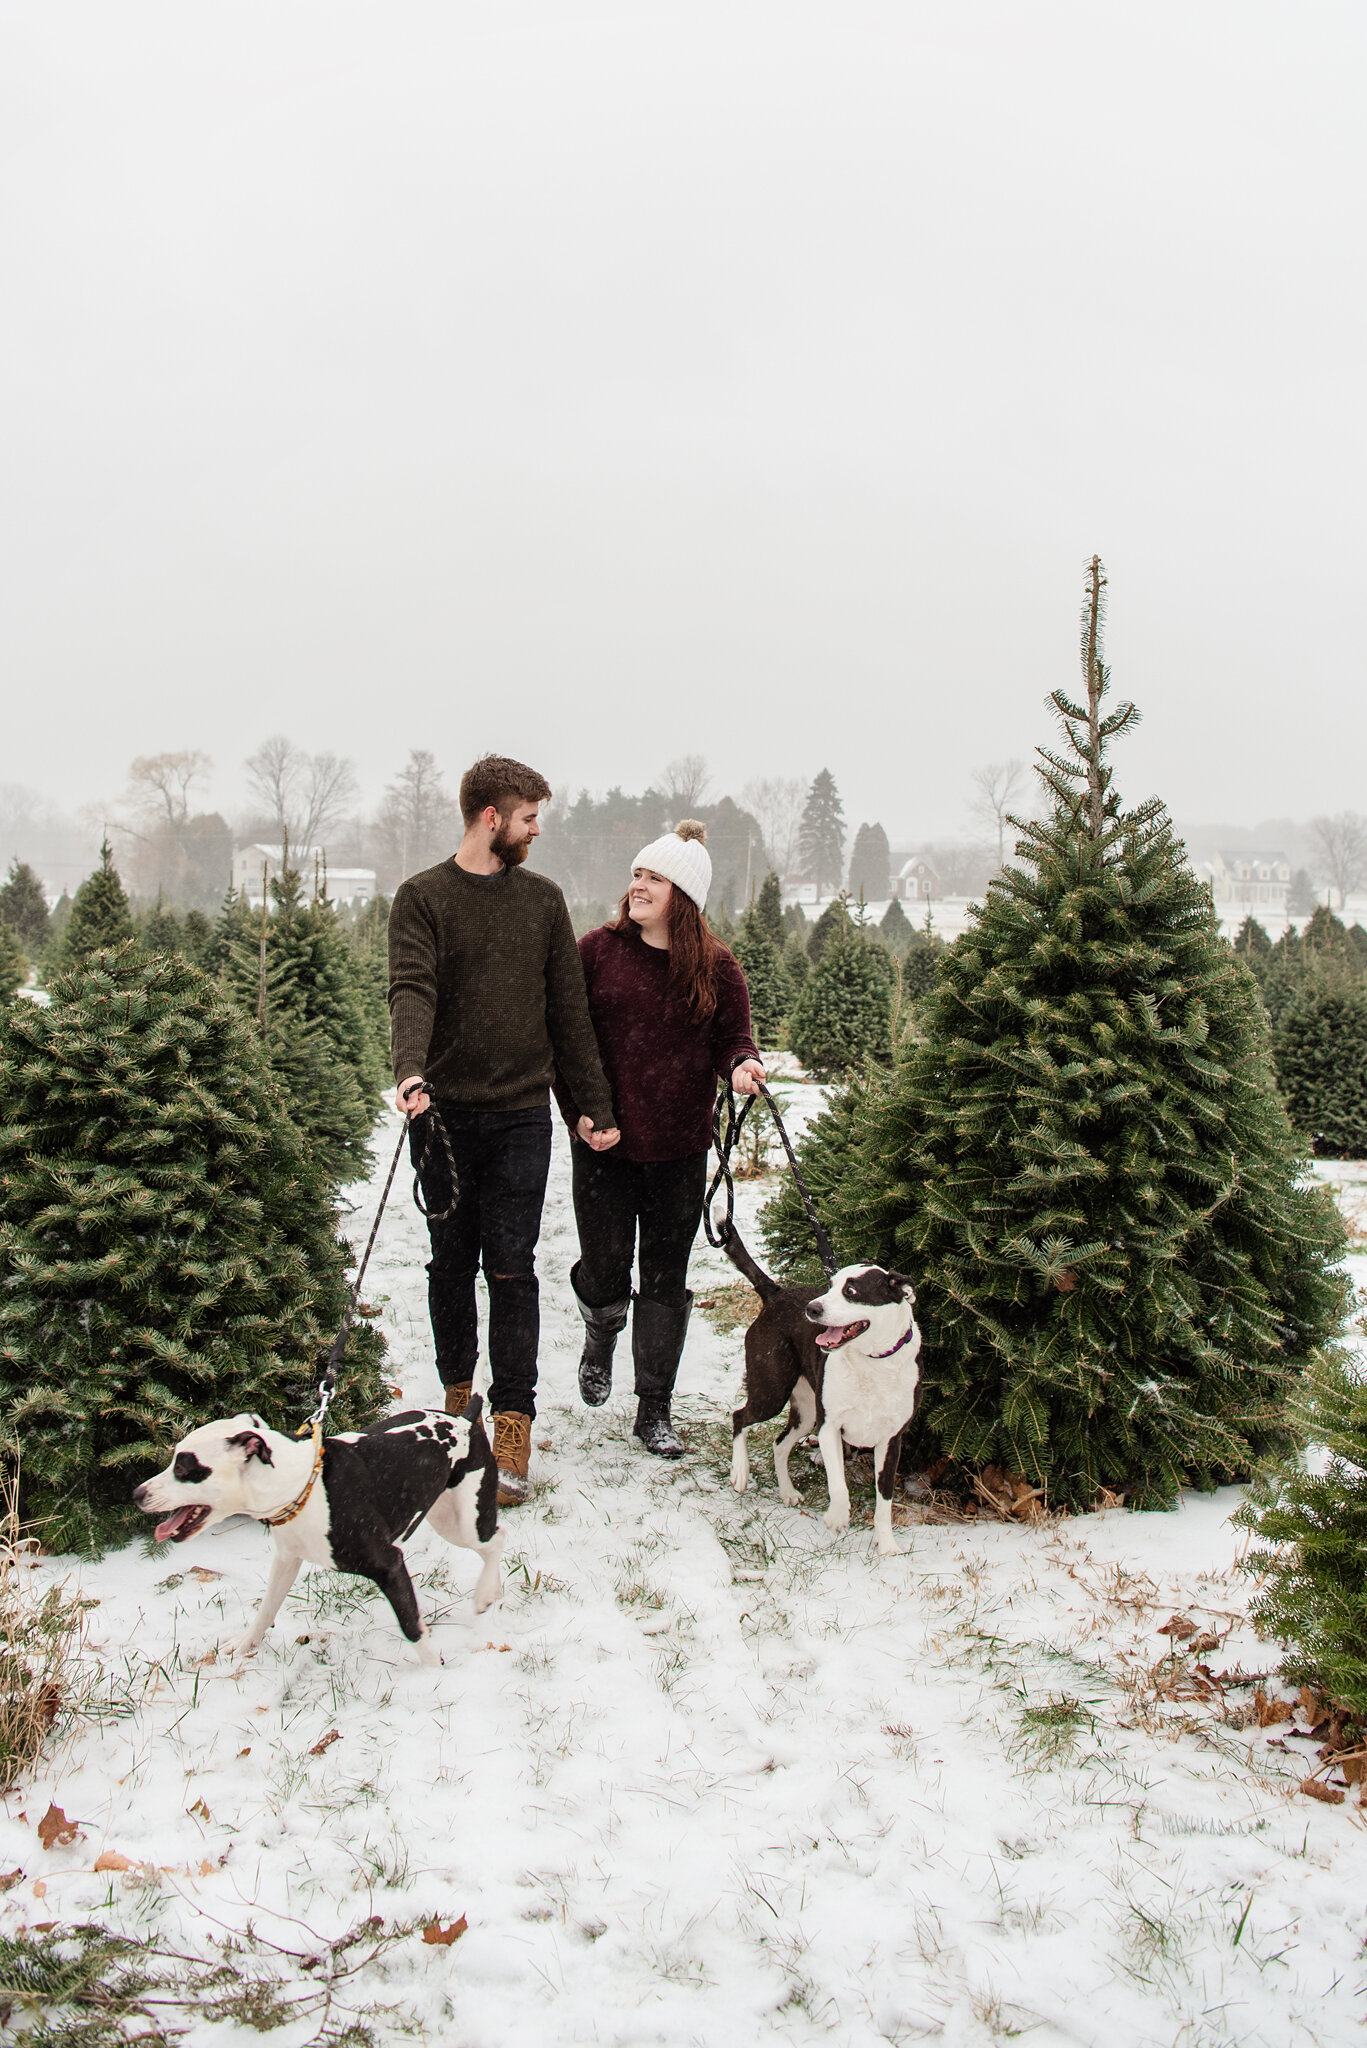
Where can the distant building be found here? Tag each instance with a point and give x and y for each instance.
(1250, 881)
(253, 864)
(916, 880)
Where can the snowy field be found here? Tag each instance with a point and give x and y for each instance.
(712, 1775)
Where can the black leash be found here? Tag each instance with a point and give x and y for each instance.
(327, 1384)
(727, 1122)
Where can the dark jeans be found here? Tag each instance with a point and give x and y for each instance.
(613, 1198)
(502, 1159)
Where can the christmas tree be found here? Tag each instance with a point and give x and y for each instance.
(798, 962)
(1320, 1049)
(896, 927)
(821, 833)
(295, 975)
(162, 931)
(771, 989)
(843, 1013)
(169, 1244)
(1084, 1164)
(833, 917)
(100, 918)
(197, 939)
(768, 910)
(23, 907)
(368, 939)
(13, 964)
(1312, 1528)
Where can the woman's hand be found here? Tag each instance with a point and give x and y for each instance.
(597, 1141)
(749, 1077)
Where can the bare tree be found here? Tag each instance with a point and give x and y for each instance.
(996, 788)
(1340, 845)
(304, 795)
(684, 783)
(419, 820)
(159, 785)
(777, 801)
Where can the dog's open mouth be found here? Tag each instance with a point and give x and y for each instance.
(836, 1334)
(182, 1523)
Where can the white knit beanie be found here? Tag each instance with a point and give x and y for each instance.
(682, 858)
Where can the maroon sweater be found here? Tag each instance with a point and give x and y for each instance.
(661, 1064)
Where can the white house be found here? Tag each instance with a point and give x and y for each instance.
(1256, 882)
(253, 864)
(917, 880)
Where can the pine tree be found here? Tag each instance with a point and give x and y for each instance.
(769, 910)
(834, 917)
(100, 918)
(171, 1249)
(162, 931)
(843, 1013)
(23, 907)
(821, 833)
(1252, 943)
(771, 989)
(293, 973)
(896, 927)
(798, 962)
(1311, 1525)
(1084, 1164)
(197, 939)
(871, 865)
(1320, 1048)
(13, 964)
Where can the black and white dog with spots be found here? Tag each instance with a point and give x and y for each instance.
(845, 1363)
(351, 1511)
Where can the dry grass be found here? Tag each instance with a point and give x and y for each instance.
(730, 1308)
(44, 1677)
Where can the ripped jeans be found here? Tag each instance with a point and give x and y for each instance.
(502, 1159)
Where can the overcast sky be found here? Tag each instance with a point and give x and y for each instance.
(600, 382)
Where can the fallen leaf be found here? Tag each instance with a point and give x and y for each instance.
(209, 1657)
(207, 1869)
(443, 1937)
(333, 1735)
(39, 1889)
(1315, 1788)
(1354, 1768)
(44, 1926)
(55, 1830)
(1202, 1645)
(1270, 1712)
(199, 1811)
(244, 1752)
(1065, 1282)
(202, 1573)
(302, 1639)
(1178, 1627)
(10, 1879)
(110, 1859)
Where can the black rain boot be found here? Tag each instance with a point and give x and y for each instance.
(602, 1328)
(657, 1342)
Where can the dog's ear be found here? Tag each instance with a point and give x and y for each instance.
(903, 1285)
(251, 1446)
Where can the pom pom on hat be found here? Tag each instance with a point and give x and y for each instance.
(681, 856)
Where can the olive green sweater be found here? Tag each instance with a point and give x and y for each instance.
(486, 992)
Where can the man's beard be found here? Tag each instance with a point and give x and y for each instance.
(511, 852)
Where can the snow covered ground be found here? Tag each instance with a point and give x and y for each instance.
(712, 1775)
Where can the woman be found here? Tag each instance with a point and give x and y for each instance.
(672, 1013)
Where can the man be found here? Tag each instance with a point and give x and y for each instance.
(486, 1000)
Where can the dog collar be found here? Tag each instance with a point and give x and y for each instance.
(301, 1500)
(905, 1338)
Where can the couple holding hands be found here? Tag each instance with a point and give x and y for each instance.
(492, 1006)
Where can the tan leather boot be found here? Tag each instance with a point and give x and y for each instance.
(458, 1397)
(512, 1450)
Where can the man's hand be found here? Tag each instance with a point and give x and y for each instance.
(598, 1141)
(415, 1103)
(748, 1077)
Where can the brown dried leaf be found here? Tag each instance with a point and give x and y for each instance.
(1315, 1788)
(55, 1831)
(1270, 1712)
(110, 1859)
(39, 1888)
(10, 1879)
(199, 1810)
(443, 1937)
(202, 1573)
(1354, 1768)
(244, 1752)
(326, 1742)
(1202, 1645)
(1313, 1709)
(1178, 1627)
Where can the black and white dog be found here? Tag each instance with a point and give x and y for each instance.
(349, 1505)
(845, 1363)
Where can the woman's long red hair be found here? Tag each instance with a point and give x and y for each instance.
(695, 953)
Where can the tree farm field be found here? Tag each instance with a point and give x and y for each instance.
(710, 1774)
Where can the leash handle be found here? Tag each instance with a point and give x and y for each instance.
(726, 1130)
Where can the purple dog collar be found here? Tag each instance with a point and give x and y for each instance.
(905, 1338)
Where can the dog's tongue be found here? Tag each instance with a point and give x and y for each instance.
(173, 1524)
(832, 1335)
